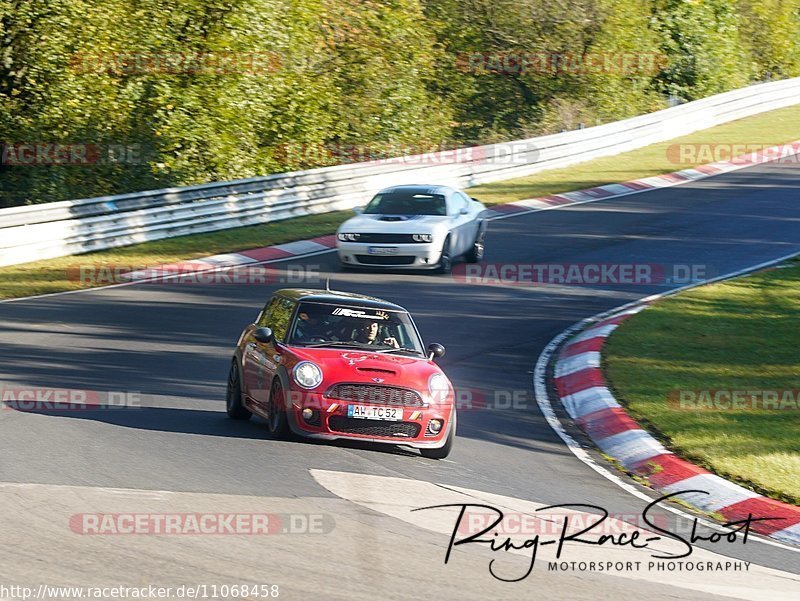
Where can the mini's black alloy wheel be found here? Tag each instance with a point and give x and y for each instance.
(233, 394)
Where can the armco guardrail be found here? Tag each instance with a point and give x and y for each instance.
(63, 228)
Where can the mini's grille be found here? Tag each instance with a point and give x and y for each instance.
(373, 427)
(369, 393)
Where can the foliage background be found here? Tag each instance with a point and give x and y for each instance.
(380, 76)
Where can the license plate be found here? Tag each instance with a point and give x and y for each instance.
(382, 250)
(371, 412)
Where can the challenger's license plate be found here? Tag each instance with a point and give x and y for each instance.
(371, 412)
(382, 250)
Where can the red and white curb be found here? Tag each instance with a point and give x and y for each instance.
(252, 257)
(582, 390)
(321, 244)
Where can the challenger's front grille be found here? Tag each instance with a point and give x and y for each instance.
(385, 259)
(369, 393)
(373, 427)
(387, 238)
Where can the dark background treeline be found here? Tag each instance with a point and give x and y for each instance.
(323, 81)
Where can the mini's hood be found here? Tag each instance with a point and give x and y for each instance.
(393, 224)
(351, 365)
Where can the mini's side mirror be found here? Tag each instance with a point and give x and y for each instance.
(435, 350)
(463, 211)
(358, 210)
(264, 335)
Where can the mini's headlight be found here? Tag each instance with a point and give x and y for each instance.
(422, 237)
(439, 388)
(307, 374)
(345, 237)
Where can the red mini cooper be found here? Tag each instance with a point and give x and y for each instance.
(334, 365)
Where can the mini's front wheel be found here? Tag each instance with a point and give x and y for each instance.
(233, 394)
(278, 424)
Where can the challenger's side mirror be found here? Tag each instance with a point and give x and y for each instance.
(435, 350)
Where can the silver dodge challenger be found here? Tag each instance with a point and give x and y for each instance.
(414, 227)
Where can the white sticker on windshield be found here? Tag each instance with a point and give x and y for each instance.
(358, 313)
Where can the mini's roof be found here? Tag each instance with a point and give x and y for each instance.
(335, 297)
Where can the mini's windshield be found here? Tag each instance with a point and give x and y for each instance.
(406, 203)
(318, 324)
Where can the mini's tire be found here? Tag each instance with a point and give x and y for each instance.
(233, 394)
(277, 423)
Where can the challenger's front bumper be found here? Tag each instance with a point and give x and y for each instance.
(401, 256)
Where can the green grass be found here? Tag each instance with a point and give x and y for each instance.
(51, 276)
(739, 335)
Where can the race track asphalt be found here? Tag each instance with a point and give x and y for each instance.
(171, 343)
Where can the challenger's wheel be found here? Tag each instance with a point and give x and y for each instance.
(475, 254)
(277, 423)
(444, 451)
(233, 394)
(446, 261)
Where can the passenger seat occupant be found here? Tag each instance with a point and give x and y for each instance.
(309, 328)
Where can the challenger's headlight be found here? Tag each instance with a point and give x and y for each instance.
(422, 237)
(348, 237)
(307, 374)
(439, 388)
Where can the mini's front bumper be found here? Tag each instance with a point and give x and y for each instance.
(322, 426)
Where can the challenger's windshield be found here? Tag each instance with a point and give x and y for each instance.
(322, 325)
(406, 203)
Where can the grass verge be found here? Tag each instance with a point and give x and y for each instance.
(53, 275)
(739, 335)
(775, 127)
(49, 276)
